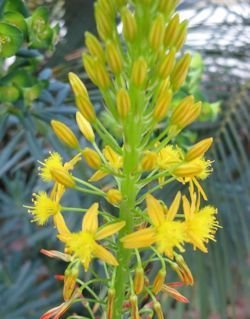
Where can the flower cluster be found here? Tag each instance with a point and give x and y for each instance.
(138, 71)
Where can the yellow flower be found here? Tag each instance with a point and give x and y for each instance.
(200, 224)
(168, 157)
(52, 162)
(165, 232)
(114, 159)
(83, 245)
(44, 207)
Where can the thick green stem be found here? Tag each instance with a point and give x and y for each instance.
(129, 192)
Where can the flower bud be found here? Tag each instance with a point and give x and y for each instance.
(134, 307)
(167, 64)
(63, 177)
(107, 7)
(181, 36)
(77, 85)
(162, 105)
(149, 161)
(199, 149)
(180, 71)
(110, 305)
(104, 24)
(102, 77)
(185, 271)
(158, 310)
(64, 133)
(159, 281)
(190, 169)
(70, 277)
(164, 85)
(123, 103)
(85, 127)
(156, 33)
(171, 31)
(89, 66)
(114, 58)
(92, 158)
(129, 27)
(120, 3)
(182, 108)
(167, 6)
(139, 280)
(139, 72)
(86, 108)
(94, 46)
(114, 196)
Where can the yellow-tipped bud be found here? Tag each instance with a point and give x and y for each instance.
(158, 310)
(149, 161)
(120, 3)
(94, 46)
(114, 59)
(64, 133)
(139, 280)
(89, 66)
(180, 71)
(102, 77)
(104, 24)
(110, 304)
(134, 307)
(164, 86)
(107, 7)
(162, 105)
(199, 149)
(167, 6)
(139, 72)
(167, 64)
(77, 85)
(123, 103)
(190, 169)
(114, 196)
(92, 158)
(70, 277)
(171, 31)
(181, 108)
(86, 108)
(129, 27)
(159, 281)
(85, 127)
(63, 177)
(157, 32)
(181, 38)
(187, 118)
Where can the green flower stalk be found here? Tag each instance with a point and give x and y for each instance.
(138, 73)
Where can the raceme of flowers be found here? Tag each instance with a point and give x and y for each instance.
(138, 72)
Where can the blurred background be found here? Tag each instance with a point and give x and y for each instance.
(219, 38)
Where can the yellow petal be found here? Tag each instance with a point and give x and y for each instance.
(109, 230)
(139, 239)
(155, 210)
(97, 176)
(60, 224)
(105, 255)
(90, 220)
(186, 207)
(174, 207)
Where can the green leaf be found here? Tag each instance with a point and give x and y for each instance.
(11, 39)
(16, 5)
(31, 93)
(16, 19)
(9, 93)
